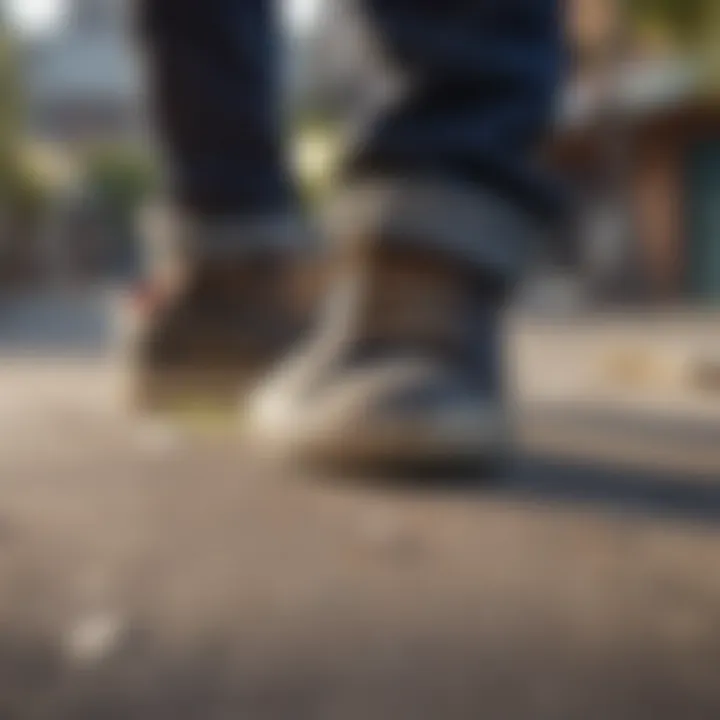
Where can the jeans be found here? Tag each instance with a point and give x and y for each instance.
(473, 85)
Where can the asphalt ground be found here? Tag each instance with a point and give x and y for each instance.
(148, 570)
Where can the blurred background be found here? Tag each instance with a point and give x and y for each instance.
(637, 139)
(637, 136)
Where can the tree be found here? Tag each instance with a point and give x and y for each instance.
(119, 177)
(20, 188)
(11, 105)
(693, 26)
(685, 21)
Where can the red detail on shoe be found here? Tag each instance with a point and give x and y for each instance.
(146, 299)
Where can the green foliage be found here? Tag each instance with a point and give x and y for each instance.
(119, 177)
(11, 104)
(24, 191)
(685, 20)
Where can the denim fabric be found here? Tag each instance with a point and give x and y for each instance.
(213, 74)
(472, 85)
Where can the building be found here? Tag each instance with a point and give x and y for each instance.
(82, 80)
(638, 138)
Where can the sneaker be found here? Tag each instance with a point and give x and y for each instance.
(212, 321)
(404, 369)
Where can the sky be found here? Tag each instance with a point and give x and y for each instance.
(39, 14)
(34, 14)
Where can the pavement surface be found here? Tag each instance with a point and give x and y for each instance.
(150, 572)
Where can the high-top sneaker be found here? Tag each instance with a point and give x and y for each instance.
(220, 307)
(405, 369)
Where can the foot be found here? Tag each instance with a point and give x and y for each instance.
(208, 327)
(404, 370)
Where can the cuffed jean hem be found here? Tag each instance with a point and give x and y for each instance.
(226, 239)
(464, 223)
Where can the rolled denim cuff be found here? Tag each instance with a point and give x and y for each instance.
(466, 224)
(172, 232)
(230, 238)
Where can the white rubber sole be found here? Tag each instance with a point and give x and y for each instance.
(480, 440)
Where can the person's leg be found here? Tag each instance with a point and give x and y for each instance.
(213, 75)
(464, 90)
(441, 203)
(213, 80)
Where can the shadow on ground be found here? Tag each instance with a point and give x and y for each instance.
(556, 480)
(606, 486)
